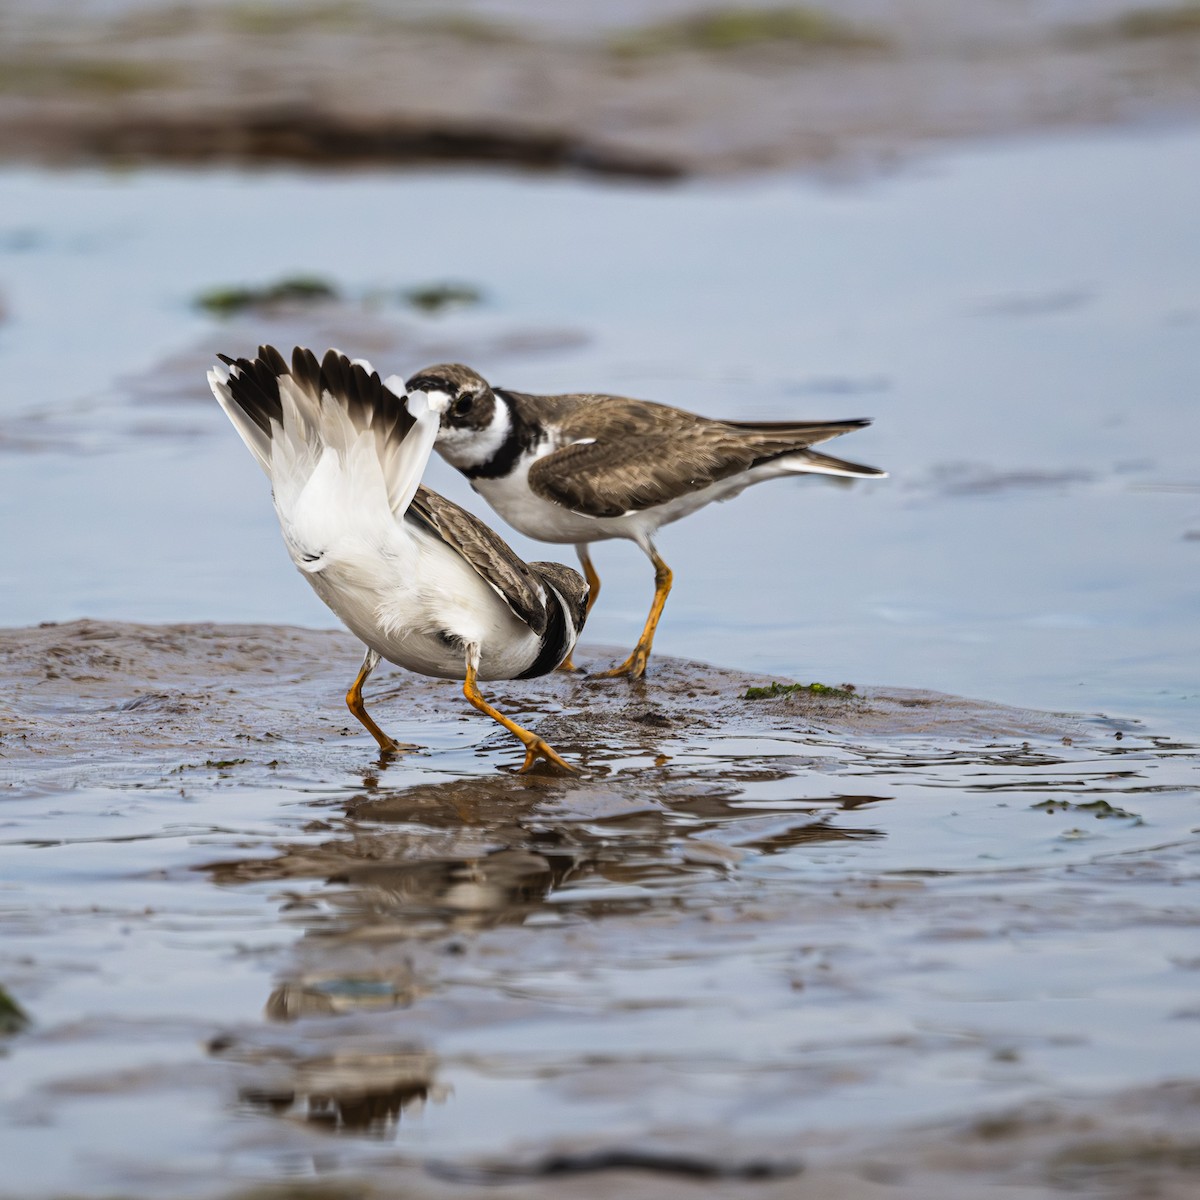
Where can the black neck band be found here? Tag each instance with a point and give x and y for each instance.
(518, 439)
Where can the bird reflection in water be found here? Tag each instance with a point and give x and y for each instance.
(345, 1092)
(394, 900)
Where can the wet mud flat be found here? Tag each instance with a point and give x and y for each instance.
(826, 943)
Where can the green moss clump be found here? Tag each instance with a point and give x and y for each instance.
(434, 297)
(299, 289)
(12, 1016)
(224, 302)
(1171, 20)
(277, 20)
(1100, 809)
(732, 29)
(790, 689)
(103, 77)
(466, 28)
(283, 18)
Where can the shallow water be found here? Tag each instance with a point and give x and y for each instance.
(746, 932)
(747, 937)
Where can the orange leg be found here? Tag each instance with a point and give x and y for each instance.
(354, 702)
(535, 748)
(593, 581)
(635, 665)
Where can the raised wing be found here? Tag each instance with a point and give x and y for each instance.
(486, 551)
(628, 455)
(322, 403)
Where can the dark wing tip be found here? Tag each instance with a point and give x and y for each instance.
(802, 428)
(255, 388)
(272, 360)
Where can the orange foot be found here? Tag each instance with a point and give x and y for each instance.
(538, 749)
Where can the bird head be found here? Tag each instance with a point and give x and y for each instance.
(474, 421)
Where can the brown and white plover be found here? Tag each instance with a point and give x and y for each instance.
(583, 467)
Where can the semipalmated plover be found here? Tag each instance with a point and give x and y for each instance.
(420, 581)
(583, 467)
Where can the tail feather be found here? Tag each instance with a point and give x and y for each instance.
(788, 444)
(289, 415)
(810, 462)
(800, 433)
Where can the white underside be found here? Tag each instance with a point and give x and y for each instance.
(399, 589)
(546, 521)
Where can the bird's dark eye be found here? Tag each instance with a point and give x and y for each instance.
(462, 405)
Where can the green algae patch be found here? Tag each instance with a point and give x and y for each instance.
(1100, 809)
(722, 30)
(1171, 20)
(437, 297)
(278, 20)
(353, 16)
(299, 289)
(1164, 22)
(13, 1017)
(98, 77)
(464, 28)
(803, 689)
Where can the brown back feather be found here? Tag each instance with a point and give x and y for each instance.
(486, 551)
(644, 454)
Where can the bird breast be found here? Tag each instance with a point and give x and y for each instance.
(418, 603)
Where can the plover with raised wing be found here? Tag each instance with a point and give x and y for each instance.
(420, 581)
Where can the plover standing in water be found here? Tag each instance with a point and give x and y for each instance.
(419, 580)
(583, 467)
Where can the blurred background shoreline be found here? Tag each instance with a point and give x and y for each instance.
(657, 90)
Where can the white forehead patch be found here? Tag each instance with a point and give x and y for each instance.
(467, 448)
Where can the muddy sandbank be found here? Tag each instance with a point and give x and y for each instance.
(86, 689)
